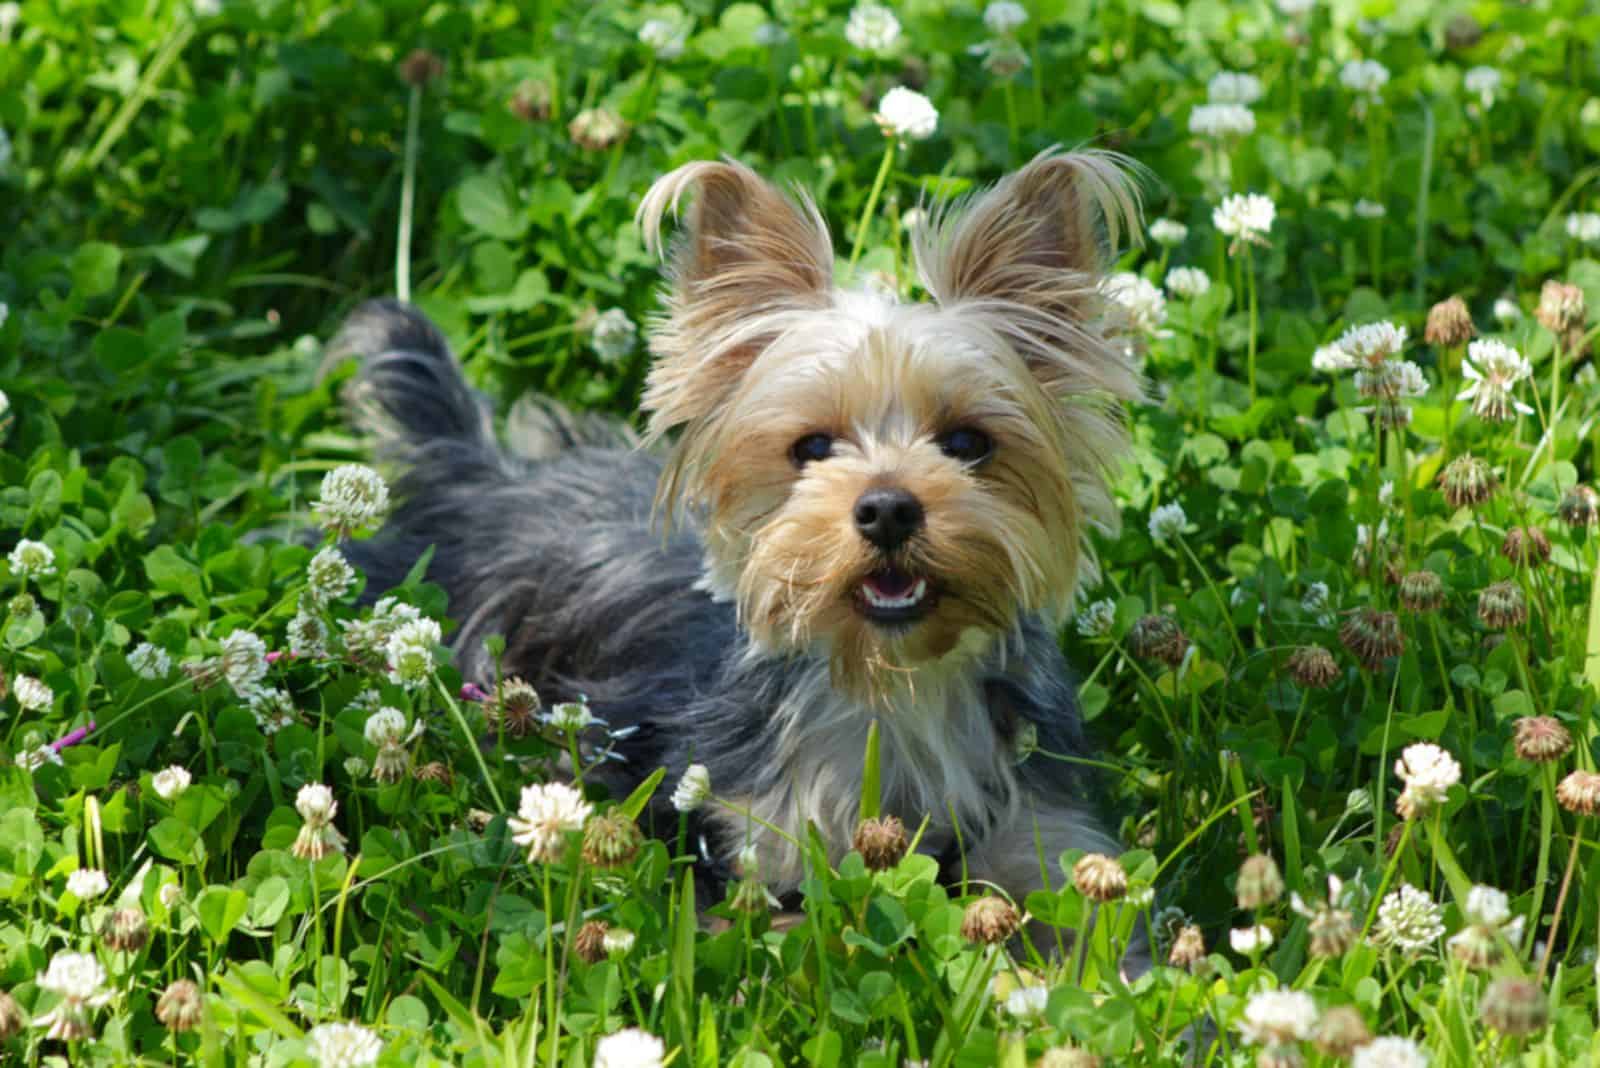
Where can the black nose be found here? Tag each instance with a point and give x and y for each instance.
(887, 517)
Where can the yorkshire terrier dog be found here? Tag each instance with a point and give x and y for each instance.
(854, 510)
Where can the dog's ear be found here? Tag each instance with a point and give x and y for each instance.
(1028, 253)
(746, 258)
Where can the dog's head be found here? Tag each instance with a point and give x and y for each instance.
(881, 483)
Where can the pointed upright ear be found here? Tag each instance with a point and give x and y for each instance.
(747, 258)
(1031, 250)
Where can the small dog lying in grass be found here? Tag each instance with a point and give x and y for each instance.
(863, 511)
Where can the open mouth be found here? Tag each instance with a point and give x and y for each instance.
(890, 595)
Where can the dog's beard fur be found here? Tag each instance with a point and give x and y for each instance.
(759, 349)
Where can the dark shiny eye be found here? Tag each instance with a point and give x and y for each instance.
(811, 447)
(966, 444)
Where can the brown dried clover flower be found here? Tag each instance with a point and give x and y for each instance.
(1188, 948)
(421, 67)
(1099, 878)
(1579, 793)
(125, 930)
(180, 1006)
(1341, 1031)
(881, 842)
(1466, 482)
(597, 129)
(1526, 546)
(434, 771)
(1158, 638)
(1313, 668)
(1260, 882)
(1449, 324)
(1515, 1006)
(590, 942)
(1541, 739)
(1580, 507)
(1502, 606)
(990, 920)
(1422, 591)
(1372, 637)
(1561, 307)
(531, 101)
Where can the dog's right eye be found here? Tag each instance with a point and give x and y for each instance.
(811, 447)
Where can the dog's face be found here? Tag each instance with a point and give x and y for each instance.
(890, 485)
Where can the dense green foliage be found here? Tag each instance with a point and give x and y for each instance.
(192, 198)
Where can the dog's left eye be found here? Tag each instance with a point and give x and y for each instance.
(811, 447)
(966, 444)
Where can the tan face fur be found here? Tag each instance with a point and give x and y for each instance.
(759, 349)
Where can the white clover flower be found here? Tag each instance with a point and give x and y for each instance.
(169, 782)
(1493, 369)
(571, 716)
(150, 661)
(206, 9)
(1248, 941)
(244, 661)
(906, 114)
(353, 497)
(1278, 1018)
(1330, 358)
(664, 37)
(32, 695)
(1427, 771)
(1506, 311)
(1245, 217)
(315, 803)
(410, 652)
(1144, 306)
(37, 757)
(1002, 57)
(86, 884)
(79, 980)
(1364, 76)
(307, 634)
(1296, 8)
(272, 708)
(618, 940)
(386, 726)
(1168, 232)
(1488, 906)
(1027, 1002)
(748, 861)
(872, 28)
(614, 336)
(329, 575)
(1222, 120)
(369, 638)
(629, 1048)
(1188, 282)
(1391, 380)
(1369, 209)
(1233, 87)
(1370, 344)
(1584, 226)
(169, 895)
(1097, 619)
(1003, 17)
(547, 813)
(1408, 920)
(1484, 83)
(1389, 1051)
(1167, 522)
(1315, 600)
(343, 1045)
(10, 15)
(32, 559)
(693, 790)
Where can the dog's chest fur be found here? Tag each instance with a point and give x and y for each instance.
(940, 754)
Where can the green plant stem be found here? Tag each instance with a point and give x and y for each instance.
(872, 201)
(1250, 285)
(471, 744)
(408, 193)
(1561, 903)
(1541, 878)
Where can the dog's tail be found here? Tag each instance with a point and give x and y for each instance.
(410, 396)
